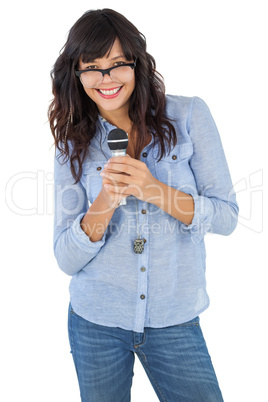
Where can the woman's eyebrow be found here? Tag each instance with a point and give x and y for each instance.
(94, 61)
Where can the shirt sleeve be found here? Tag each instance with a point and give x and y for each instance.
(72, 247)
(216, 209)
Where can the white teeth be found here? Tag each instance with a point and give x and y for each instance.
(111, 92)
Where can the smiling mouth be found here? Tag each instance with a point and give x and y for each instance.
(109, 92)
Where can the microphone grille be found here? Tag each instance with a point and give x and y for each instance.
(117, 139)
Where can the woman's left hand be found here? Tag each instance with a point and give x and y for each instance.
(130, 177)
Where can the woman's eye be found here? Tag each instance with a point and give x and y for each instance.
(91, 67)
(119, 63)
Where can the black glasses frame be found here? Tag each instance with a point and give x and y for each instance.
(107, 70)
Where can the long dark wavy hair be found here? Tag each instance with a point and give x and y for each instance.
(72, 112)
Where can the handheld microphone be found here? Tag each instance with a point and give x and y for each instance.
(117, 142)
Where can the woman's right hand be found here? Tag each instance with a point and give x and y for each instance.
(96, 220)
(111, 199)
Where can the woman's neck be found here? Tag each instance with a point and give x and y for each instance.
(118, 118)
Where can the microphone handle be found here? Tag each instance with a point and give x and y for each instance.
(120, 152)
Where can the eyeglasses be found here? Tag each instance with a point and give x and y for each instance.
(93, 78)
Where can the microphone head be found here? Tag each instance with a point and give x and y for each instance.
(117, 139)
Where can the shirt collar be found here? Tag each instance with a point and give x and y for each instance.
(104, 127)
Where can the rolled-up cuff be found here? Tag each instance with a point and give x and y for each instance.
(201, 223)
(81, 240)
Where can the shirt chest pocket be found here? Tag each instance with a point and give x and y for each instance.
(91, 179)
(174, 169)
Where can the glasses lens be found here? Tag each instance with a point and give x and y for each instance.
(122, 74)
(91, 79)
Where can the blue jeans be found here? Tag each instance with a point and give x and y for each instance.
(175, 359)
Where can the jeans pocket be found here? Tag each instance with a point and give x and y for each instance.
(71, 310)
(192, 323)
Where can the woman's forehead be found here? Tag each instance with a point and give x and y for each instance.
(115, 51)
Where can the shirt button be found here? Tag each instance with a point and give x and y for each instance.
(174, 157)
(144, 154)
(142, 297)
(143, 211)
(99, 168)
(143, 269)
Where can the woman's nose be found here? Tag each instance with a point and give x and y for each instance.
(107, 79)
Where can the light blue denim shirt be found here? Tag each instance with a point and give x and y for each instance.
(111, 285)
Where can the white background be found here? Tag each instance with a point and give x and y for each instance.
(216, 50)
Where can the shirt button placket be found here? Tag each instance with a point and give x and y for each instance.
(142, 261)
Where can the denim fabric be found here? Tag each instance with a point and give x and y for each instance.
(166, 284)
(175, 359)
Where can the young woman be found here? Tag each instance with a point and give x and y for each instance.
(138, 270)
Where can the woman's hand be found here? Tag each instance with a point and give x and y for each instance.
(124, 176)
(111, 198)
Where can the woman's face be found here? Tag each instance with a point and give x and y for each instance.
(116, 96)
